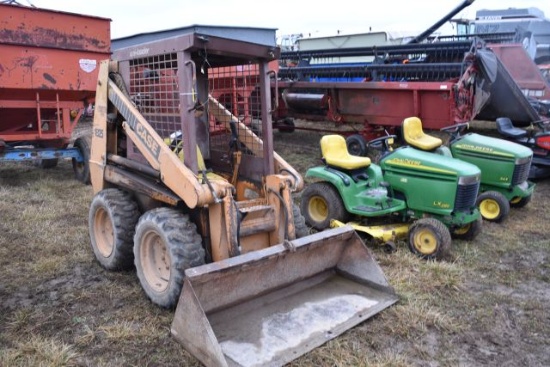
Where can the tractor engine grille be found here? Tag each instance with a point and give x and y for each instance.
(466, 196)
(521, 173)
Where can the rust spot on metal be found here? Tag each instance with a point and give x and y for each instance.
(49, 78)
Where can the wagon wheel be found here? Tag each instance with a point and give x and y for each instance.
(82, 169)
(356, 145)
(166, 243)
(493, 206)
(429, 239)
(112, 219)
(320, 203)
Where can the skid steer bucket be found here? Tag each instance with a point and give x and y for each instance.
(268, 307)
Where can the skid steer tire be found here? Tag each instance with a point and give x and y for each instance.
(429, 239)
(520, 202)
(112, 220)
(468, 232)
(493, 206)
(320, 203)
(300, 225)
(82, 169)
(166, 243)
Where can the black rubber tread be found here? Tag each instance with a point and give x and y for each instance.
(501, 201)
(123, 213)
(82, 170)
(522, 202)
(356, 145)
(336, 208)
(48, 163)
(473, 230)
(183, 245)
(300, 225)
(440, 231)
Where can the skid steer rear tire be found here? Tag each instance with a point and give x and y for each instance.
(429, 239)
(112, 219)
(493, 206)
(320, 203)
(166, 243)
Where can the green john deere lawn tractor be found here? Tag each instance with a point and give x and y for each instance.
(504, 165)
(411, 194)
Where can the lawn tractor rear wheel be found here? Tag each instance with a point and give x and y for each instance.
(320, 203)
(112, 219)
(166, 243)
(430, 239)
(520, 202)
(468, 232)
(493, 206)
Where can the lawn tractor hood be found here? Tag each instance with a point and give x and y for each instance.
(451, 183)
(486, 147)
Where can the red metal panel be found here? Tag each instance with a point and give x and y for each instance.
(48, 71)
(522, 69)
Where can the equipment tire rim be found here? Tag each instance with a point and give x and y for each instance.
(318, 209)
(489, 209)
(104, 232)
(155, 261)
(515, 200)
(425, 241)
(463, 230)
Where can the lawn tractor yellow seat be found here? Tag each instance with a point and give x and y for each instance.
(335, 154)
(415, 136)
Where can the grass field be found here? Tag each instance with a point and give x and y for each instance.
(487, 306)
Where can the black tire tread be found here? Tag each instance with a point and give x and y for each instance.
(82, 170)
(124, 214)
(300, 225)
(183, 244)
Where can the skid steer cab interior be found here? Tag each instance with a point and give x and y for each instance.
(504, 165)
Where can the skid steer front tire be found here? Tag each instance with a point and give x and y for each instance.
(112, 219)
(429, 239)
(166, 243)
(320, 203)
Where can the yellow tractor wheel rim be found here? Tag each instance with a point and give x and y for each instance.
(318, 209)
(425, 241)
(515, 200)
(489, 209)
(463, 230)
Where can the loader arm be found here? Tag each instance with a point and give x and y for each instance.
(172, 171)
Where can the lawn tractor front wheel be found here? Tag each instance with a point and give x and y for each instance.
(429, 239)
(166, 243)
(320, 203)
(493, 206)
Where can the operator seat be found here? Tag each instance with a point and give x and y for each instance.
(415, 136)
(335, 154)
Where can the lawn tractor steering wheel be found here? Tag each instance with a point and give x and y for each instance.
(382, 143)
(456, 130)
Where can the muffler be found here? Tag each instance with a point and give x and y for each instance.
(268, 307)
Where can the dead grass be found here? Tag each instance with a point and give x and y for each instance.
(489, 305)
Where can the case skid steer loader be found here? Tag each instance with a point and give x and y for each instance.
(202, 207)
